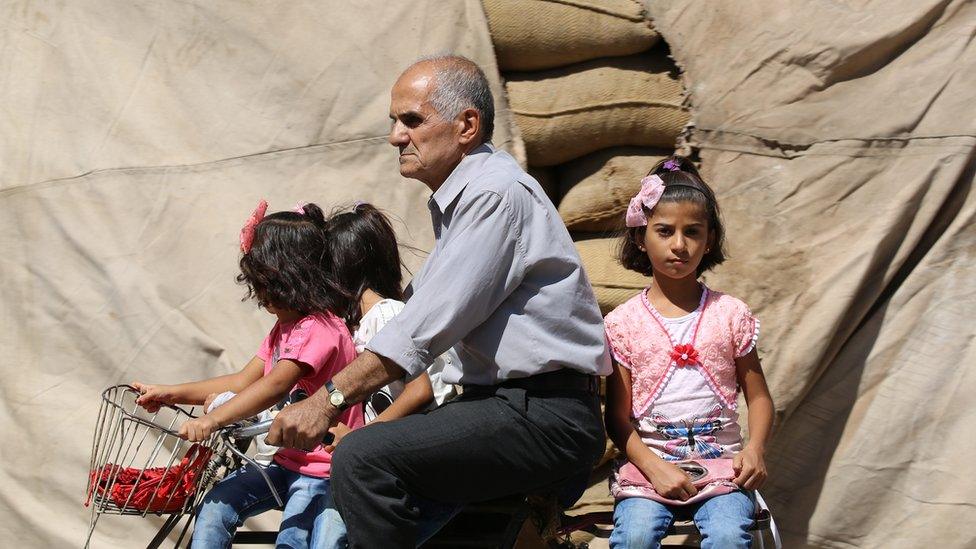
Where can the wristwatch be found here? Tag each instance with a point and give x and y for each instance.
(336, 398)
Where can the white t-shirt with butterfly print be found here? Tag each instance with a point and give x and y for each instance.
(369, 325)
(688, 420)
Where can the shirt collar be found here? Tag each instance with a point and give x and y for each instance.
(459, 178)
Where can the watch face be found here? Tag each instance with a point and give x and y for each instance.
(336, 398)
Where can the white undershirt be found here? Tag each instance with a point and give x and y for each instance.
(369, 325)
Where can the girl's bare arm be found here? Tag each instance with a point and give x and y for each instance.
(416, 396)
(750, 464)
(667, 479)
(259, 395)
(196, 392)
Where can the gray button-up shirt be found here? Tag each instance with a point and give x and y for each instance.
(503, 285)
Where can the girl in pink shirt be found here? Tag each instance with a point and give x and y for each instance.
(681, 352)
(287, 269)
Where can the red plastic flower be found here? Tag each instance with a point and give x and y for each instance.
(684, 355)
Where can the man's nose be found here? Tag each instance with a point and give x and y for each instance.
(398, 134)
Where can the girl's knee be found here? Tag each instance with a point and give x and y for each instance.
(639, 522)
(726, 521)
(217, 512)
(636, 535)
(214, 525)
(726, 535)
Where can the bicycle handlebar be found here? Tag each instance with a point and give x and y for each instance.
(262, 427)
(252, 430)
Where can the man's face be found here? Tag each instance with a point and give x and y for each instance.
(429, 145)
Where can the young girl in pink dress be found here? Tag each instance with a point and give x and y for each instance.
(287, 269)
(681, 353)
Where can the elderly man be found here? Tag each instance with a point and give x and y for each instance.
(504, 286)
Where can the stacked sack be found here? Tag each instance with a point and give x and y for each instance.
(597, 105)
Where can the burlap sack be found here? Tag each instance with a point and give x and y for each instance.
(612, 283)
(596, 188)
(543, 34)
(568, 112)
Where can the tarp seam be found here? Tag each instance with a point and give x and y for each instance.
(774, 148)
(62, 180)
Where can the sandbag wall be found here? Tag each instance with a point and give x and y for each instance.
(598, 102)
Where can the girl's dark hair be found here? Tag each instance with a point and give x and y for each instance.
(289, 266)
(682, 184)
(364, 250)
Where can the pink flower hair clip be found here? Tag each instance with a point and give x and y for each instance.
(652, 187)
(247, 231)
(299, 208)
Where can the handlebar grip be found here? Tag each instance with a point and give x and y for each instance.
(252, 430)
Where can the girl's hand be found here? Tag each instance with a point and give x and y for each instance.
(198, 429)
(339, 431)
(750, 468)
(671, 482)
(153, 396)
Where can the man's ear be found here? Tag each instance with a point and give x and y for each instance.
(469, 122)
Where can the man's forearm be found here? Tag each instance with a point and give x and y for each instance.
(304, 424)
(364, 375)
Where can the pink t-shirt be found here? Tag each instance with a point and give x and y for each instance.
(322, 342)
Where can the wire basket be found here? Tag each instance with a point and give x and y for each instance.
(139, 465)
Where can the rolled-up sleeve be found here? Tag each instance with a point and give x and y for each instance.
(465, 281)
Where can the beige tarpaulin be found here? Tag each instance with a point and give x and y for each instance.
(136, 138)
(138, 135)
(840, 136)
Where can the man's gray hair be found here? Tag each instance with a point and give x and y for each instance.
(461, 84)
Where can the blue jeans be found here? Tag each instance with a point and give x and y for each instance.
(433, 516)
(723, 521)
(244, 493)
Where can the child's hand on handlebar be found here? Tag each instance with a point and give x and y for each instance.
(153, 396)
(198, 429)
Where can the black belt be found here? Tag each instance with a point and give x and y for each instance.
(564, 380)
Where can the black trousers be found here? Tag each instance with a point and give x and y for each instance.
(487, 443)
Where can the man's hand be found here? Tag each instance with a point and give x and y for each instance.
(304, 424)
(750, 468)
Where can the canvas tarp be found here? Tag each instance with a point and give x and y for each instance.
(136, 139)
(840, 137)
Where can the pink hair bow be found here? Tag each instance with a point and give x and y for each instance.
(652, 187)
(247, 231)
